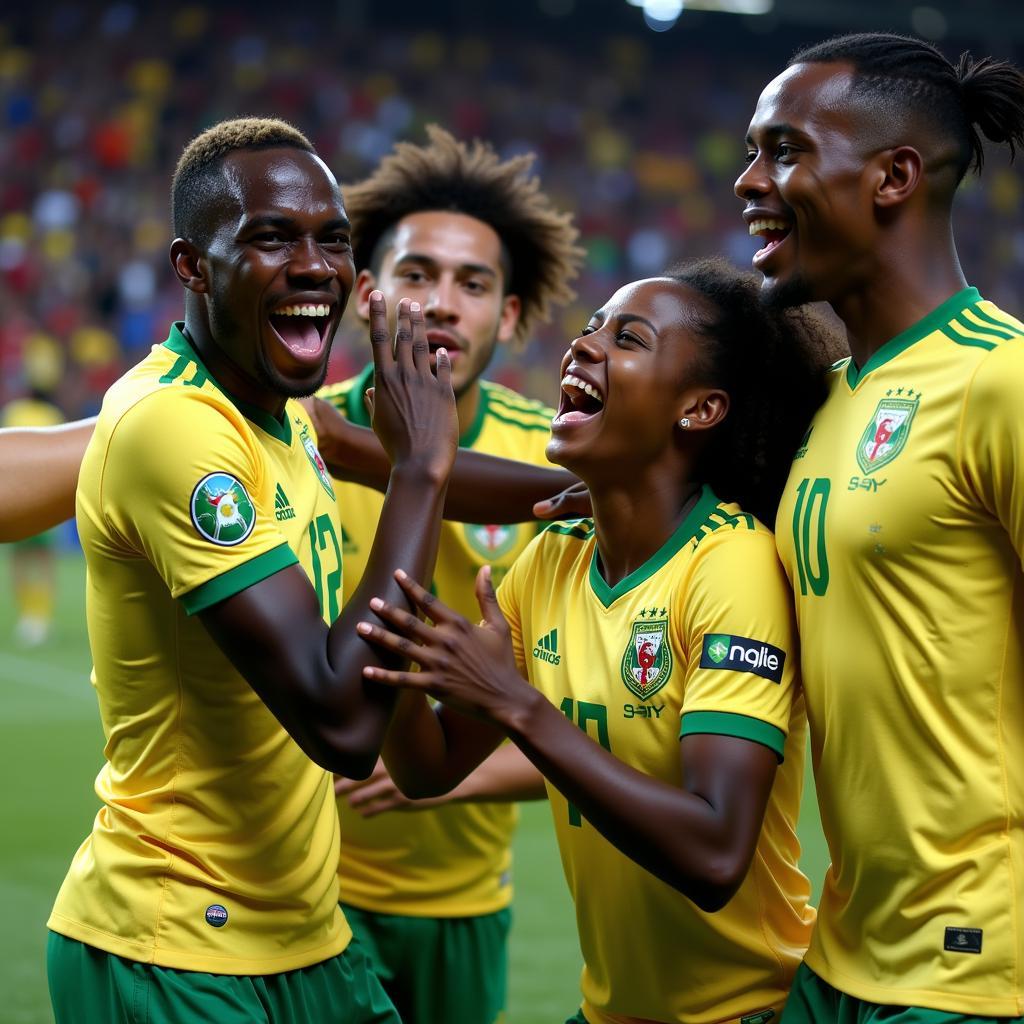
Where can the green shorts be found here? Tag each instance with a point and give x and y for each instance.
(88, 985)
(450, 969)
(812, 1001)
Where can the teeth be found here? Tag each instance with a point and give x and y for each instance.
(305, 310)
(575, 382)
(768, 224)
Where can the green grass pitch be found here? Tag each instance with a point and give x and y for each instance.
(51, 748)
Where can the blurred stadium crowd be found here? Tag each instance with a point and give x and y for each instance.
(640, 137)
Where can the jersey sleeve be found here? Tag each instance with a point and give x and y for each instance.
(992, 438)
(184, 485)
(510, 596)
(740, 639)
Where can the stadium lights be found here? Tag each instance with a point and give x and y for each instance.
(661, 15)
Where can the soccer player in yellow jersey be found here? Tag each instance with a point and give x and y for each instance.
(665, 709)
(902, 529)
(228, 683)
(32, 559)
(472, 238)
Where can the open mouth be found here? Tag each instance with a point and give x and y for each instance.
(439, 339)
(773, 231)
(580, 401)
(302, 328)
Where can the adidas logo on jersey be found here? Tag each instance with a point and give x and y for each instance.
(282, 506)
(547, 648)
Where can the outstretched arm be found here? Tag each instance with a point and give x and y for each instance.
(309, 675)
(506, 776)
(39, 467)
(482, 488)
(698, 837)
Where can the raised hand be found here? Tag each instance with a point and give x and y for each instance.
(413, 409)
(470, 668)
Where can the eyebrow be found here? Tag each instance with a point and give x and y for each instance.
(472, 268)
(773, 130)
(275, 220)
(627, 318)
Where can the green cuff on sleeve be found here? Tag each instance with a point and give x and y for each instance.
(229, 583)
(727, 723)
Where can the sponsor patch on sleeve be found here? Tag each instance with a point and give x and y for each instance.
(742, 654)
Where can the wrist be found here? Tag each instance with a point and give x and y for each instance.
(420, 472)
(520, 716)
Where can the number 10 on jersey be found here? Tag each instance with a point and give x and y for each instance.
(809, 534)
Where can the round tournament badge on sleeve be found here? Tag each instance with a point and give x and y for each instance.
(222, 510)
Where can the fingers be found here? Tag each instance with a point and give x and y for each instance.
(407, 624)
(389, 677)
(434, 609)
(488, 599)
(573, 502)
(368, 401)
(380, 336)
(420, 346)
(443, 368)
(388, 641)
(404, 333)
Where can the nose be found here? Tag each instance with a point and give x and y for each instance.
(753, 182)
(587, 348)
(439, 304)
(308, 262)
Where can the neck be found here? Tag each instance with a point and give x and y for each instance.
(908, 282)
(466, 406)
(633, 521)
(225, 372)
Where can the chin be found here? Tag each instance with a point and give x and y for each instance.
(293, 387)
(786, 293)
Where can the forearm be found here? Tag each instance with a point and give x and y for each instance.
(432, 752)
(676, 835)
(481, 489)
(406, 538)
(506, 776)
(40, 473)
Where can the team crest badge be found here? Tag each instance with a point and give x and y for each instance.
(647, 660)
(491, 541)
(316, 461)
(222, 510)
(886, 434)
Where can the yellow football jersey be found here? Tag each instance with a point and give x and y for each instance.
(700, 639)
(30, 412)
(451, 861)
(902, 529)
(215, 847)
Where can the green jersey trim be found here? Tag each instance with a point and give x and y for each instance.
(581, 529)
(686, 531)
(229, 583)
(936, 320)
(729, 723)
(355, 409)
(179, 344)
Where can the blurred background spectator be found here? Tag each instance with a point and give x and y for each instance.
(639, 133)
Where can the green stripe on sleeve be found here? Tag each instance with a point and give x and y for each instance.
(229, 583)
(728, 723)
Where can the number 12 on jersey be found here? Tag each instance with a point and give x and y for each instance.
(809, 534)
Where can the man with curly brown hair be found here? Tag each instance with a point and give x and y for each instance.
(474, 239)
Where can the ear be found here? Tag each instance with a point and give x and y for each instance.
(704, 408)
(898, 173)
(511, 309)
(188, 265)
(365, 283)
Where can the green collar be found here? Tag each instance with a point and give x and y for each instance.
(178, 343)
(934, 321)
(356, 407)
(686, 531)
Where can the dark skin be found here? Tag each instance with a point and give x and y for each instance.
(283, 241)
(698, 837)
(866, 207)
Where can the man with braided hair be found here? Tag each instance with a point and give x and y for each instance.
(902, 529)
(476, 241)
